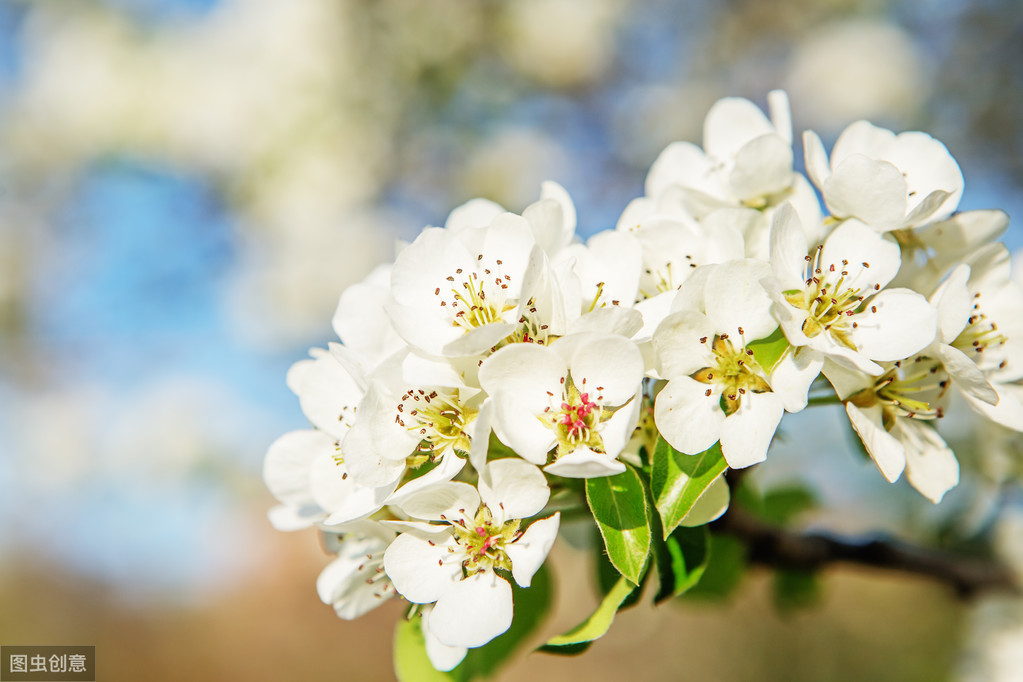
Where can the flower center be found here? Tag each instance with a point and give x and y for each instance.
(575, 420)
(829, 301)
(469, 301)
(735, 372)
(483, 541)
(439, 419)
(980, 337)
(910, 389)
(668, 277)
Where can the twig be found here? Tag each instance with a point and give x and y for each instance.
(773, 546)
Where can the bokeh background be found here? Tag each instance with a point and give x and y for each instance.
(186, 187)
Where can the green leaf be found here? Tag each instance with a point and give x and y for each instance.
(677, 481)
(578, 639)
(768, 350)
(681, 561)
(411, 664)
(619, 506)
(608, 576)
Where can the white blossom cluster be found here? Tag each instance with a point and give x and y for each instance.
(500, 353)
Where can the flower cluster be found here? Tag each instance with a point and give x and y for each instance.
(500, 356)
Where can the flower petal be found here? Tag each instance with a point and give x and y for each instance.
(688, 419)
(746, 434)
(888, 453)
(422, 570)
(473, 611)
(514, 486)
(529, 552)
(931, 466)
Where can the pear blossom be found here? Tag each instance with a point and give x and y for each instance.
(893, 415)
(716, 389)
(305, 471)
(887, 181)
(832, 301)
(452, 561)
(456, 293)
(355, 583)
(981, 334)
(579, 395)
(416, 411)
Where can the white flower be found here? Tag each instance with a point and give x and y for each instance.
(416, 411)
(716, 390)
(887, 181)
(452, 562)
(746, 157)
(306, 472)
(579, 394)
(456, 293)
(890, 413)
(981, 334)
(831, 300)
(355, 582)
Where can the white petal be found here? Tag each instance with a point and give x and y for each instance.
(928, 166)
(529, 552)
(610, 366)
(474, 213)
(869, 257)
(444, 501)
(286, 518)
(731, 123)
(340, 495)
(871, 190)
(513, 486)
(585, 463)
(442, 656)
(846, 380)
(763, 166)
(681, 163)
(967, 377)
(287, 464)
(677, 343)
(931, 466)
(422, 572)
(610, 320)
(781, 113)
(448, 467)
(735, 298)
(792, 376)
(518, 427)
(904, 323)
(362, 461)
(477, 340)
(746, 434)
(788, 248)
(1009, 410)
(886, 450)
(525, 372)
(473, 611)
(687, 418)
(953, 302)
(816, 158)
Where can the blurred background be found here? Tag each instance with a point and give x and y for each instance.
(186, 187)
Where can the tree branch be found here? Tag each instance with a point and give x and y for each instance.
(780, 548)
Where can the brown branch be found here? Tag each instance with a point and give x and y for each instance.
(780, 548)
